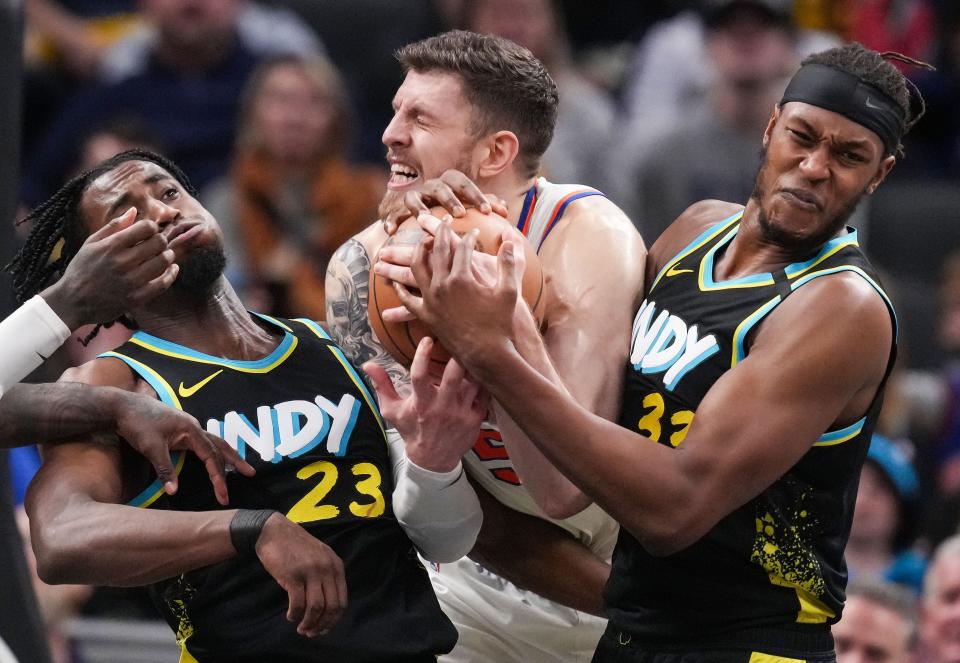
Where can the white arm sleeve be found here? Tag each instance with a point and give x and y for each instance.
(439, 511)
(31, 334)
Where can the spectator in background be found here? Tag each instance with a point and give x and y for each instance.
(263, 30)
(937, 143)
(672, 71)
(905, 26)
(878, 625)
(940, 606)
(585, 115)
(710, 150)
(292, 197)
(885, 519)
(186, 94)
(64, 45)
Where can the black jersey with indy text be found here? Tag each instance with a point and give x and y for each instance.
(305, 420)
(772, 572)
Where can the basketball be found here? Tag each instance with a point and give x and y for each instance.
(401, 338)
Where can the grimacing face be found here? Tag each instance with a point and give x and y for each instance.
(430, 131)
(191, 232)
(817, 166)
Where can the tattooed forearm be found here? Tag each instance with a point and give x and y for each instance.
(347, 286)
(42, 413)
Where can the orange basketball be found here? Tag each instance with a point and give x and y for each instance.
(401, 339)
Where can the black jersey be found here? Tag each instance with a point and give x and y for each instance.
(307, 423)
(772, 572)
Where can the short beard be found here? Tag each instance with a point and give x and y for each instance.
(781, 237)
(200, 270)
(393, 201)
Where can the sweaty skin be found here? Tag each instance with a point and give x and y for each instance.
(593, 262)
(830, 341)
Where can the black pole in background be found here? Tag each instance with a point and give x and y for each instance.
(20, 623)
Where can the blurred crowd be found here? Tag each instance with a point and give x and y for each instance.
(275, 110)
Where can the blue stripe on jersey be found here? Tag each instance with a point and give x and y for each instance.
(856, 270)
(272, 320)
(525, 211)
(268, 363)
(352, 373)
(706, 281)
(165, 392)
(558, 213)
(740, 334)
(697, 242)
(840, 436)
(831, 247)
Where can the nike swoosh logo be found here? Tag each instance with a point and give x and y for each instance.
(673, 271)
(872, 105)
(187, 392)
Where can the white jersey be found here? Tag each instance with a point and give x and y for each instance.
(488, 462)
(497, 621)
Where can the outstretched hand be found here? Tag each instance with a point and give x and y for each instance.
(438, 422)
(154, 430)
(452, 191)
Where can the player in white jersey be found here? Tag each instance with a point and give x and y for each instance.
(486, 107)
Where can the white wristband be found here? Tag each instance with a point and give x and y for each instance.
(27, 337)
(433, 480)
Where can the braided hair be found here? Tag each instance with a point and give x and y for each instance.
(57, 230)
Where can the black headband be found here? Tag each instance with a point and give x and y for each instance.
(840, 92)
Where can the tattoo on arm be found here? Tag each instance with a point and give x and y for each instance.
(44, 413)
(347, 293)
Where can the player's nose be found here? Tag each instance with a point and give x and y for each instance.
(396, 133)
(162, 213)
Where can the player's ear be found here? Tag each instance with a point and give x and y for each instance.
(885, 167)
(501, 149)
(771, 123)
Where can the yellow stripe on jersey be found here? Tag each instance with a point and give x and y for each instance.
(166, 392)
(278, 323)
(831, 438)
(699, 241)
(740, 334)
(154, 491)
(349, 369)
(793, 271)
(758, 657)
(705, 273)
(214, 361)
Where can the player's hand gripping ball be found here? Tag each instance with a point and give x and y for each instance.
(401, 338)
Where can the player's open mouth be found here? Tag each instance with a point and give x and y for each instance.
(402, 175)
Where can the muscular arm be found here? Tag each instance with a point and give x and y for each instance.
(46, 413)
(827, 346)
(539, 556)
(347, 278)
(347, 292)
(595, 261)
(82, 534)
(815, 362)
